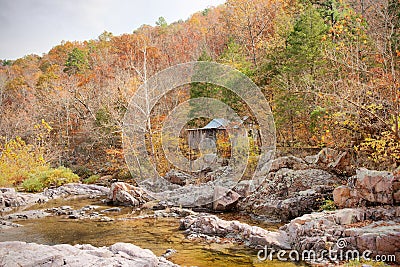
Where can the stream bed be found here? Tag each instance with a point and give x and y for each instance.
(156, 234)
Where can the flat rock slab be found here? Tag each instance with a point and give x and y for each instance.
(253, 236)
(76, 189)
(26, 215)
(17, 253)
(7, 225)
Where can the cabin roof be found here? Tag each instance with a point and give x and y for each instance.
(218, 123)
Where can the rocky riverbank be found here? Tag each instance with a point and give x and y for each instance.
(361, 229)
(287, 189)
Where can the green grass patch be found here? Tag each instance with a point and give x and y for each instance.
(328, 205)
(91, 179)
(47, 177)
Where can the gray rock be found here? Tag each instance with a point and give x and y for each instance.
(75, 189)
(85, 213)
(8, 225)
(9, 198)
(288, 193)
(17, 253)
(253, 236)
(190, 196)
(168, 253)
(244, 188)
(26, 215)
(289, 162)
(158, 185)
(113, 209)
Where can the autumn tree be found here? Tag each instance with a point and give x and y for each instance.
(251, 23)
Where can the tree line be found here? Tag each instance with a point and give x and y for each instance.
(329, 68)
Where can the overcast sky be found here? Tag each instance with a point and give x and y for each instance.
(35, 26)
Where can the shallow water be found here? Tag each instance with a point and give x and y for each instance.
(157, 235)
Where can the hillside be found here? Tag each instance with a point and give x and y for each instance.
(329, 69)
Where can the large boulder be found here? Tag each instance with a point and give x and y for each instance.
(368, 188)
(344, 197)
(128, 195)
(287, 162)
(10, 199)
(17, 253)
(286, 182)
(382, 238)
(244, 188)
(224, 199)
(333, 160)
(374, 186)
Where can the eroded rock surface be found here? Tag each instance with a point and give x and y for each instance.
(368, 188)
(375, 228)
(10, 199)
(178, 177)
(75, 189)
(288, 193)
(224, 199)
(17, 253)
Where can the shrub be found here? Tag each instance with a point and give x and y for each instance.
(17, 160)
(92, 179)
(383, 149)
(328, 205)
(82, 171)
(46, 177)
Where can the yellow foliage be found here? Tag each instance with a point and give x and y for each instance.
(385, 148)
(17, 160)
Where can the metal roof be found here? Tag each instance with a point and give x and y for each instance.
(216, 124)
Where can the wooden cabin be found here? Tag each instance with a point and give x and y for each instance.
(214, 133)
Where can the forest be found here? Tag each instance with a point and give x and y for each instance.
(329, 69)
